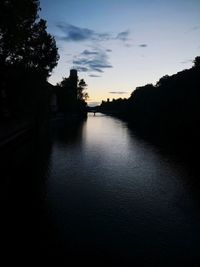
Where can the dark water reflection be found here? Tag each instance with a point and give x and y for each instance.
(103, 197)
(116, 198)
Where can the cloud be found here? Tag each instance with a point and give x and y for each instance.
(192, 29)
(87, 52)
(73, 33)
(92, 61)
(94, 75)
(81, 69)
(186, 61)
(123, 36)
(195, 28)
(96, 69)
(99, 63)
(118, 92)
(78, 34)
(128, 45)
(104, 36)
(143, 45)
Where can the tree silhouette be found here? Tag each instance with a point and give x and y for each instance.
(27, 56)
(167, 112)
(72, 98)
(41, 52)
(81, 94)
(197, 62)
(24, 40)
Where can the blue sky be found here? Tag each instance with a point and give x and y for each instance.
(117, 45)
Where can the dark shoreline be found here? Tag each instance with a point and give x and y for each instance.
(181, 149)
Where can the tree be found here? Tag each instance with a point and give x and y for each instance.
(24, 40)
(72, 96)
(81, 94)
(197, 62)
(27, 56)
(16, 19)
(163, 81)
(41, 52)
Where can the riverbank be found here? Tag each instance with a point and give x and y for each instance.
(25, 229)
(10, 130)
(183, 145)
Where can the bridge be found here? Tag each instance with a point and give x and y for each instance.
(93, 109)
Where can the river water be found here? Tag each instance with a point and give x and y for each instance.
(117, 198)
(108, 198)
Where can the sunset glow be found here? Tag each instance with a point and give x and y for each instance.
(119, 45)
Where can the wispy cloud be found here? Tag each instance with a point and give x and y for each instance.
(92, 61)
(186, 61)
(143, 45)
(94, 75)
(82, 69)
(87, 52)
(118, 92)
(192, 29)
(195, 28)
(73, 33)
(78, 34)
(123, 36)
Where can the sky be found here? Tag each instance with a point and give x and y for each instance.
(118, 45)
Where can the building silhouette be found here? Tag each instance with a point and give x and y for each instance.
(72, 85)
(64, 97)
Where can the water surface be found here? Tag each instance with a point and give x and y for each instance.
(116, 198)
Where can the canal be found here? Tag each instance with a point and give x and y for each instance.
(109, 198)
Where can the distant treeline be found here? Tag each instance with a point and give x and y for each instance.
(166, 112)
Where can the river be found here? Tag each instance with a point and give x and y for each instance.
(111, 194)
(110, 197)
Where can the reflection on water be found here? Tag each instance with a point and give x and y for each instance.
(117, 198)
(107, 198)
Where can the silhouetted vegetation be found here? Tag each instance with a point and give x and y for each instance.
(24, 40)
(165, 112)
(27, 56)
(71, 95)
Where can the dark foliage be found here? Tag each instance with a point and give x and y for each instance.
(24, 40)
(81, 94)
(27, 56)
(167, 112)
(71, 95)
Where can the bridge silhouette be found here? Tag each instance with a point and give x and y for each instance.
(93, 109)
